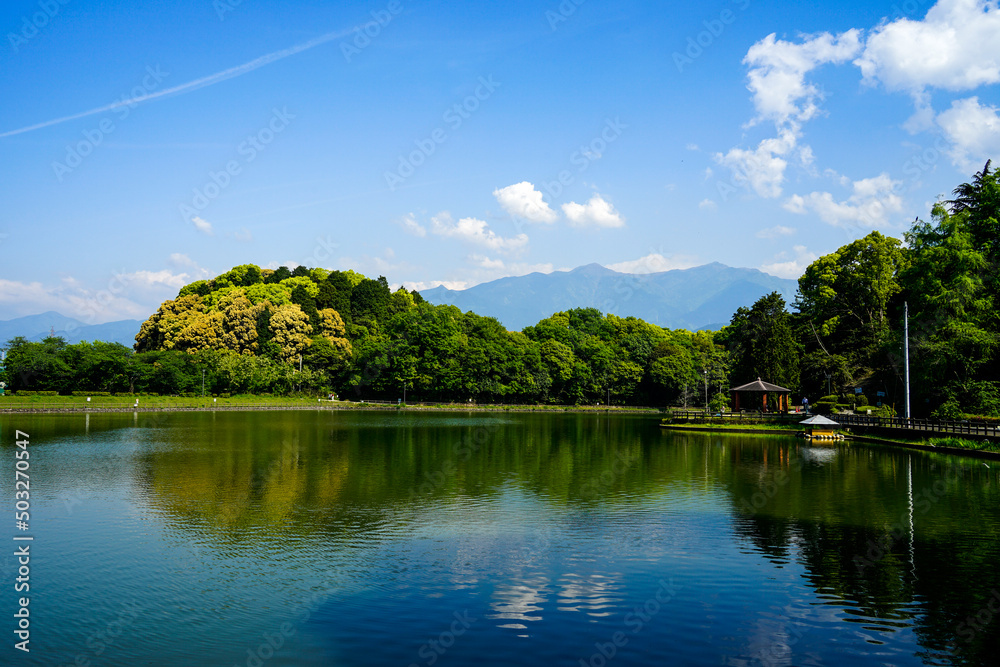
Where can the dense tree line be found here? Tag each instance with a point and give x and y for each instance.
(277, 331)
(848, 330)
(254, 330)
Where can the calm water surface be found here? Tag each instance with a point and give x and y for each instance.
(361, 538)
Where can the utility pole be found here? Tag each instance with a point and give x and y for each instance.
(906, 353)
(705, 373)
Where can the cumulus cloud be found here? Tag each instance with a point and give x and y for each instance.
(486, 262)
(597, 212)
(123, 295)
(202, 225)
(707, 205)
(763, 168)
(778, 69)
(955, 47)
(974, 132)
(783, 96)
(871, 203)
(790, 265)
(522, 200)
(775, 232)
(655, 263)
(411, 226)
(477, 232)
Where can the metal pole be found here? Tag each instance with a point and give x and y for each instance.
(906, 352)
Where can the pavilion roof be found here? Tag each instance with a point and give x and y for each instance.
(759, 385)
(819, 420)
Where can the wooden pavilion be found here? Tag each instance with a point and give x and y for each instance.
(754, 396)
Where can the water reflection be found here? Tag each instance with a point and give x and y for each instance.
(548, 529)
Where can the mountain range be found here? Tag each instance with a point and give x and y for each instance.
(704, 297)
(37, 327)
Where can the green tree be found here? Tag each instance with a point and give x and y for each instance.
(762, 345)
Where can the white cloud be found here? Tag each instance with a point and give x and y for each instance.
(871, 203)
(974, 132)
(785, 267)
(411, 226)
(477, 232)
(775, 232)
(761, 169)
(244, 235)
(692, 147)
(125, 295)
(597, 212)
(485, 270)
(781, 94)
(707, 205)
(522, 200)
(955, 47)
(487, 263)
(431, 284)
(654, 263)
(202, 225)
(180, 259)
(778, 70)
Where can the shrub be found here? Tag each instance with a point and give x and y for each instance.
(719, 403)
(825, 405)
(862, 400)
(91, 393)
(35, 393)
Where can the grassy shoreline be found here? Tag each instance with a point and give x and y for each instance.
(79, 404)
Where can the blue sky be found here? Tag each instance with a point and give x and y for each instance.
(147, 145)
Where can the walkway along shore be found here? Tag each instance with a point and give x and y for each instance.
(956, 451)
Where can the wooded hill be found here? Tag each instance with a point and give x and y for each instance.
(313, 330)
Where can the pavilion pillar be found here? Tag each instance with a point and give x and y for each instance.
(736, 401)
(765, 401)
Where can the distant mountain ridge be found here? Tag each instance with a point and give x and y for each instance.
(37, 327)
(703, 297)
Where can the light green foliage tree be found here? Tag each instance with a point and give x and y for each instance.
(291, 331)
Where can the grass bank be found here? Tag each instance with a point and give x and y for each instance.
(21, 404)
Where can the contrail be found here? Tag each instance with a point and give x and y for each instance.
(230, 73)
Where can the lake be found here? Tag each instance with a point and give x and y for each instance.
(437, 538)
